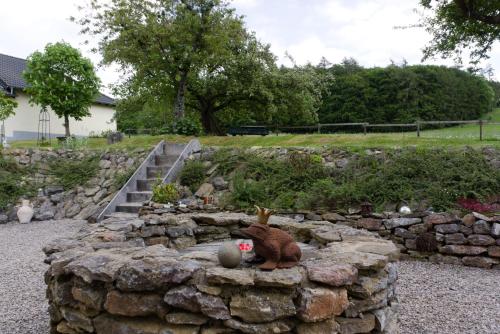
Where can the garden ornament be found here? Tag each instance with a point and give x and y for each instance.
(274, 247)
(229, 255)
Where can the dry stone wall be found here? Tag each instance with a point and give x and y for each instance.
(85, 200)
(159, 274)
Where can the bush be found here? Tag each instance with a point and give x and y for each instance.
(70, 173)
(12, 186)
(165, 193)
(186, 126)
(192, 175)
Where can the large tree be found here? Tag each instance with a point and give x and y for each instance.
(456, 25)
(62, 79)
(162, 42)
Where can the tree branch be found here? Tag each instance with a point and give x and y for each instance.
(467, 8)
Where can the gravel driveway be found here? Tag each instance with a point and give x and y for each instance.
(23, 308)
(442, 299)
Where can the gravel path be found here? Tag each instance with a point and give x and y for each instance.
(23, 308)
(441, 299)
(446, 299)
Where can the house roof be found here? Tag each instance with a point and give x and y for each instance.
(11, 76)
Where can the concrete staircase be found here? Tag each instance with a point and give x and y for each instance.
(162, 165)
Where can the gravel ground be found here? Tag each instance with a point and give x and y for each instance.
(448, 299)
(23, 308)
(442, 299)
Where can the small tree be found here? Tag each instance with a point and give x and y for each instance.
(7, 106)
(62, 79)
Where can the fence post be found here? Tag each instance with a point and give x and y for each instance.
(364, 129)
(319, 128)
(480, 129)
(418, 128)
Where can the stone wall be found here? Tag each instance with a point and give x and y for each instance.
(82, 202)
(159, 274)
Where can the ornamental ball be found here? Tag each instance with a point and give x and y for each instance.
(229, 255)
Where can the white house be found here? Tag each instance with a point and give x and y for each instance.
(24, 124)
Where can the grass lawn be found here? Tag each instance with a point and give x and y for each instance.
(458, 136)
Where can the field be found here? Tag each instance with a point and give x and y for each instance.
(457, 136)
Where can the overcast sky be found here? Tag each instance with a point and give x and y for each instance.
(306, 29)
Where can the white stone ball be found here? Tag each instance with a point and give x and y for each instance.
(229, 255)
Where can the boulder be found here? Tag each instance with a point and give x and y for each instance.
(317, 304)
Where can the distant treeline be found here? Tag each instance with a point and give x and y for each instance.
(402, 94)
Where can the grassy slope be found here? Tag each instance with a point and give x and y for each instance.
(467, 135)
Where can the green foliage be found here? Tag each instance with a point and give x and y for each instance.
(192, 175)
(187, 126)
(60, 78)
(74, 143)
(404, 94)
(12, 185)
(438, 177)
(70, 173)
(7, 106)
(461, 25)
(165, 193)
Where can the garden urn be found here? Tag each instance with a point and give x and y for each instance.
(25, 212)
(229, 255)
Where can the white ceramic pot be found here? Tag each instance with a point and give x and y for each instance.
(25, 212)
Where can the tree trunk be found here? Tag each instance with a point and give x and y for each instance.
(66, 125)
(209, 122)
(179, 105)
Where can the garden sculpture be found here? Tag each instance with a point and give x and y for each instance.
(274, 247)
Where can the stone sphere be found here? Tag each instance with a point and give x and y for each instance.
(229, 255)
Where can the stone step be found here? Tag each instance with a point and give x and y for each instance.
(121, 215)
(146, 185)
(165, 160)
(130, 207)
(139, 196)
(157, 171)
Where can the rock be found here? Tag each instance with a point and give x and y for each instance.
(419, 228)
(366, 245)
(469, 220)
(411, 244)
(98, 266)
(367, 286)
(373, 302)
(185, 318)
(479, 216)
(324, 327)
(357, 325)
(276, 327)
(397, 222)
(3, 219)
(479, 261)
(219, 275)
(88, 212)
(455, 239)
(325, 234)
(440, 218)
(77, 320)
(465, 229)
(222, 219)
(64, 328)
(480, 240)
(106, 324)
(481, 227)
(333, 217)
(134, 304)
(331, 274)
(404, 233)
(462, 250)
(73, 210)
(51, 190)
(279, 277)
(189, 299)
(157, 273)
(447, 228)
(316, 304)
(91, 297)
(495, 230)
(371, 224)
(61, 244)
(259, 306)
(206, 189)
(494, 251)
(312, 216)
(90, 192)
(104, 164)
(219, 183)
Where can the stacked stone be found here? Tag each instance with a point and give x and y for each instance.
(84, 201)
(159, 274)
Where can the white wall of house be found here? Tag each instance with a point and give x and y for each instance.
(24, 124)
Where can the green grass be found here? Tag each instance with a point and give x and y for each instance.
(459, 136)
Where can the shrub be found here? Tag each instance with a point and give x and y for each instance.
(165, 193)
(192, 175)
(12, 186)
(186, 126)
(70, 173)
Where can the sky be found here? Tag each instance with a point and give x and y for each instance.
(307, 30)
